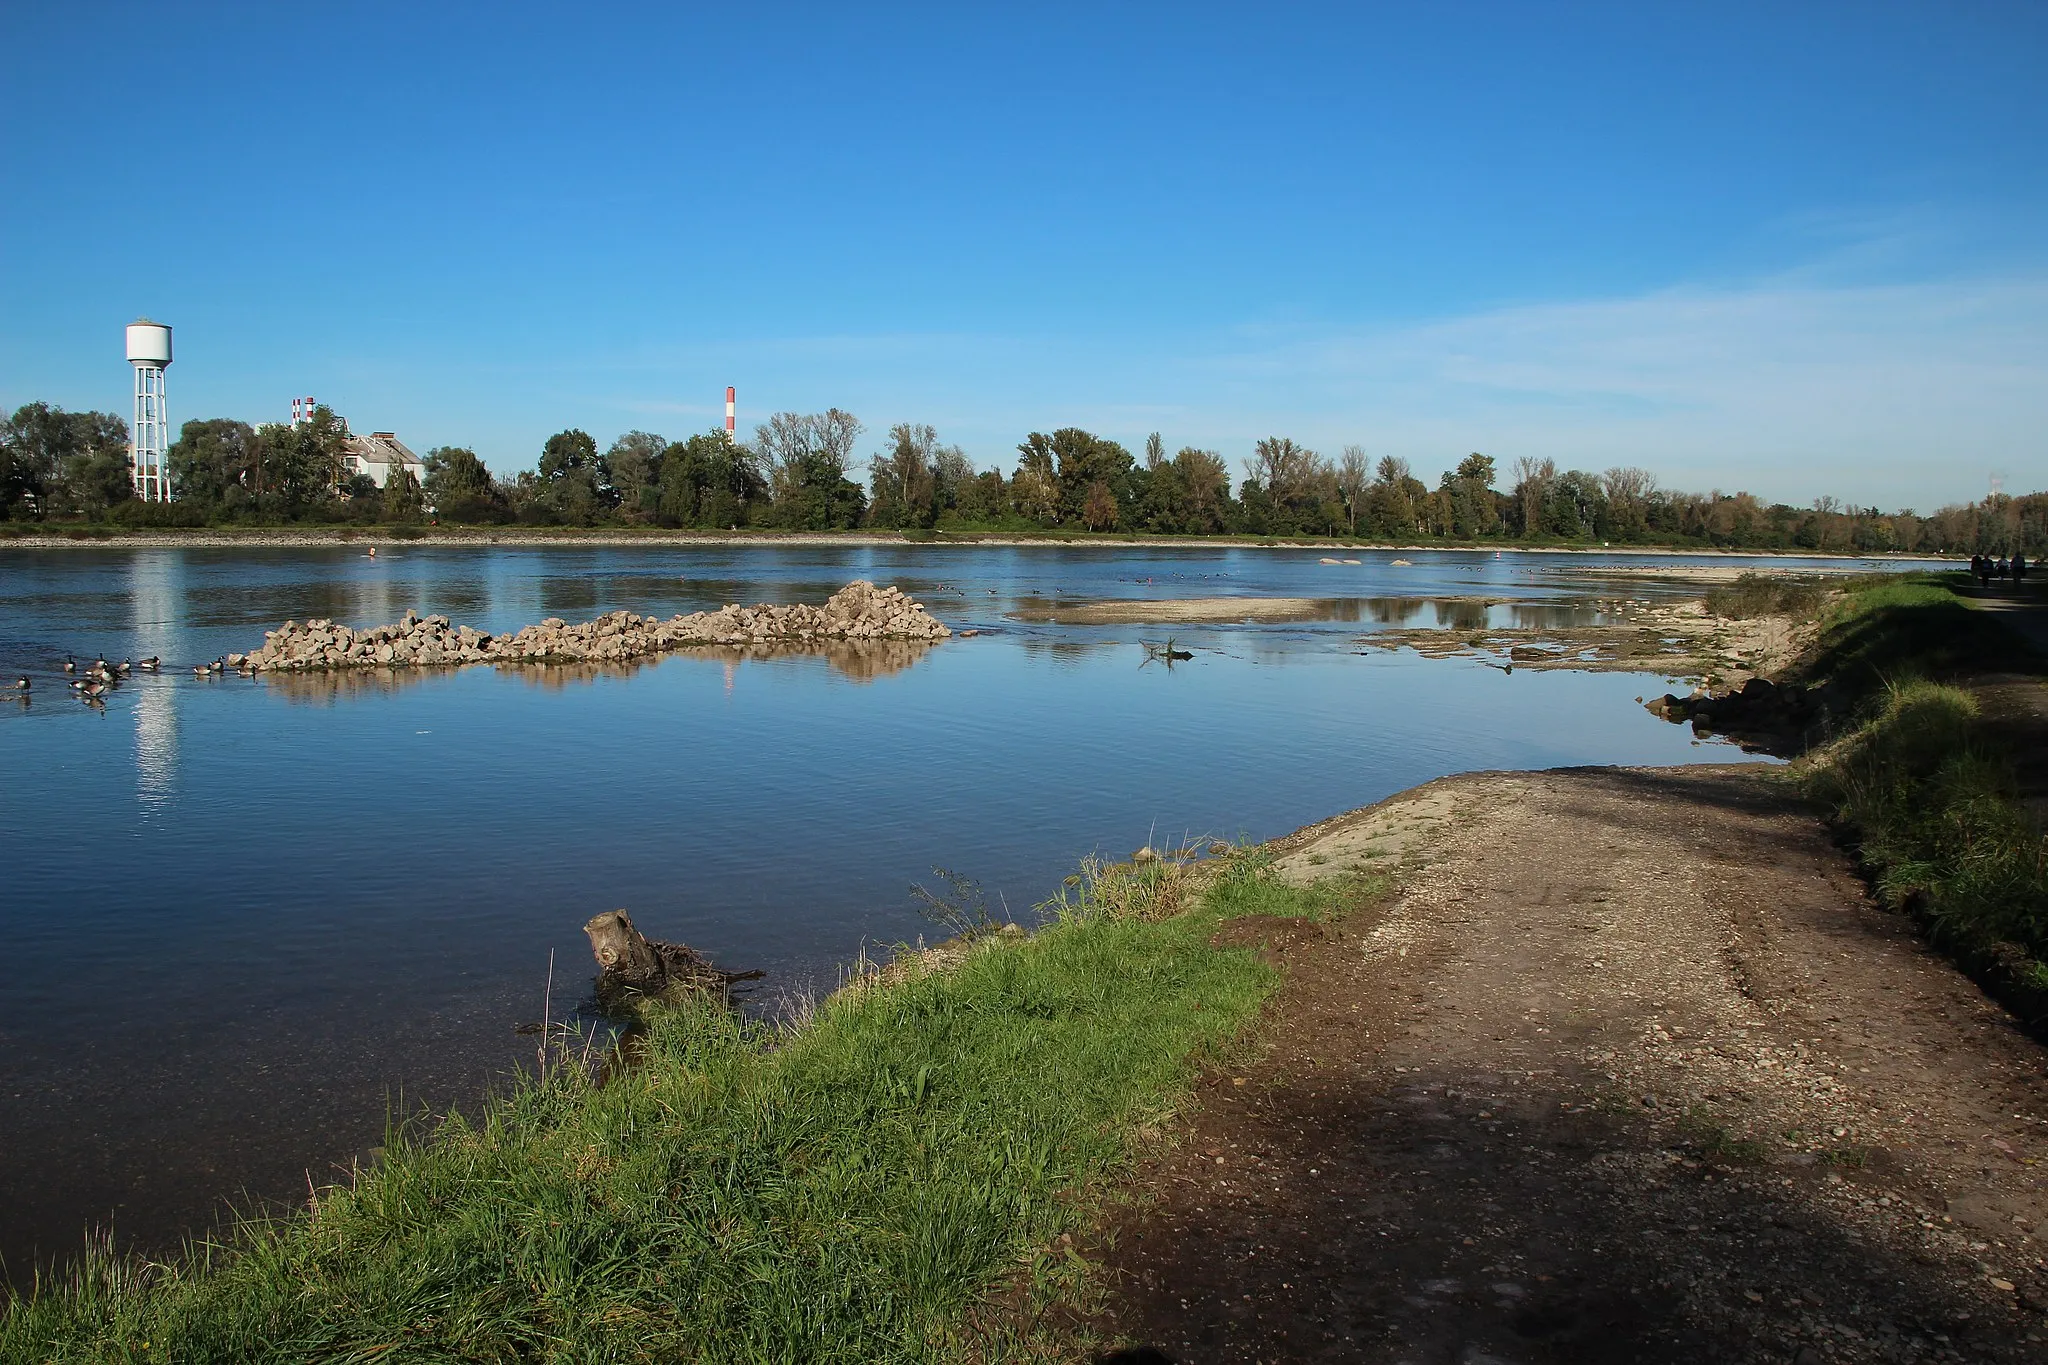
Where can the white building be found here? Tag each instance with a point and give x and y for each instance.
(378, 455)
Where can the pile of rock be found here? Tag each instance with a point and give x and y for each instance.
(859, 611)
(1759, 714)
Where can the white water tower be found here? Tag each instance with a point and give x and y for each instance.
(149, 351)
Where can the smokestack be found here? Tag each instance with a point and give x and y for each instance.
(731, 435)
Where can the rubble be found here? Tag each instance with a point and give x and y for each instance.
(858, 611)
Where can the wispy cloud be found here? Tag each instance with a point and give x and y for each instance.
(1799, 385)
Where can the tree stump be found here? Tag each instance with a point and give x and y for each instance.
(633, 966)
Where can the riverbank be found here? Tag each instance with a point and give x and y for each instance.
(315, 537)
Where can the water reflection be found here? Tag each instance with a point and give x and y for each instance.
(1065, 653)
(1447, 612)
(154, 590)
(860, 661)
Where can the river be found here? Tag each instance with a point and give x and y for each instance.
(241, 920)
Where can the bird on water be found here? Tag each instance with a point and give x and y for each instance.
(70, 664)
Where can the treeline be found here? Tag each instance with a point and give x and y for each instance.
(803, 472)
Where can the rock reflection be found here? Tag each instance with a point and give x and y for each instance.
(326, 687)
(860, 661)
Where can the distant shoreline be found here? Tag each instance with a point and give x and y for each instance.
(554, 537)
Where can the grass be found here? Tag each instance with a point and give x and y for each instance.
(1904, 625)
(1928, 795)
(1939, 823)
(845, 1191)
(1757, 594)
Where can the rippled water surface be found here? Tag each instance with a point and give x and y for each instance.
(238, 918)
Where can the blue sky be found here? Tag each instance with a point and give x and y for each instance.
(1801, 250)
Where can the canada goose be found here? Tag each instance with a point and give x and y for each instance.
(199, 670)
(148, 665)
(70, 664)
(21, 684)
(219, 665)
(99, 665)
(123, 666)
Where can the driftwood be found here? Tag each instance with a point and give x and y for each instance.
(633, 966)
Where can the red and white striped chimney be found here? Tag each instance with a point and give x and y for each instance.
(731, 435)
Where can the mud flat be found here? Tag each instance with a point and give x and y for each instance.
(1186, 610)
(1647, 637)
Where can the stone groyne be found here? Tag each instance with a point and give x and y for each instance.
(858, 611)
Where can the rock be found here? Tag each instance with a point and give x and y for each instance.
(859, 611)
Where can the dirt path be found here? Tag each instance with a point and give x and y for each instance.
(1631, 1071)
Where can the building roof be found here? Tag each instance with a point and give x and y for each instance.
(382, 447)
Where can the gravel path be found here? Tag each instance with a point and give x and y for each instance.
(1631, 1071)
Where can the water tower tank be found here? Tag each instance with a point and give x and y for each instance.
(149, 343)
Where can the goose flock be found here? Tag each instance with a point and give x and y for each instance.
(91, 683)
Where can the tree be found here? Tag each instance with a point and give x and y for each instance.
(213, 462)
(99, 471)
(576, 485)
(1297, 488)
(1098, 509)
(402, 499)
(634, 462)
(458, 486)
(708, 481)
(808, 457)
(53, 460)
(1035, 487)
(1628, 491)
(1469, 497)
(1533, 479)
(1352, 481)
(1392, 503)
(1188, 494)
(1281, 466)
(1155, 452)
(299, 467)
(904, 477)
(1074, 461)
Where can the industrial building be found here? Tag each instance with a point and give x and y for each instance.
(379, 455)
